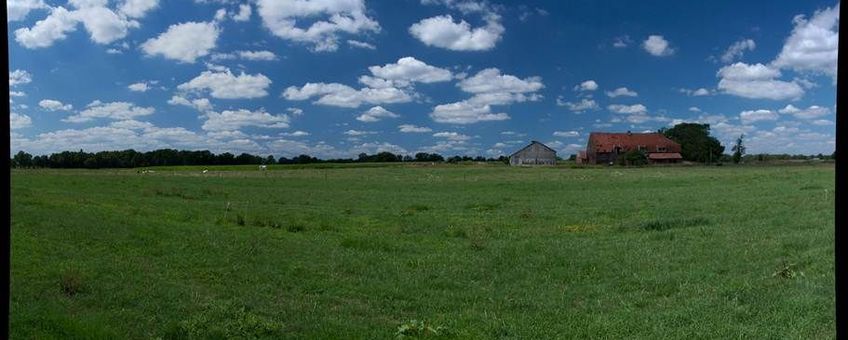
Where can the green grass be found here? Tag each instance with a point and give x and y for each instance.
(454, 251)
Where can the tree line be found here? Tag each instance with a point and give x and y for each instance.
(135, 159)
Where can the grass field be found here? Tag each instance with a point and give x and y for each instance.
(468, 251)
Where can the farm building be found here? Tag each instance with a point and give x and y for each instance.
(533, 154)
(603, 147)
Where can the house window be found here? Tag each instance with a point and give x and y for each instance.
(662, 149)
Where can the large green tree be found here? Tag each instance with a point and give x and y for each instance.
(696, 143)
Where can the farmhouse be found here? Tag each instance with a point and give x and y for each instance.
(533, 154)
(603, 147)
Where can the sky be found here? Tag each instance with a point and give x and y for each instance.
(335, 78)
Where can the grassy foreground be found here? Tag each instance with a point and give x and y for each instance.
(467, 252)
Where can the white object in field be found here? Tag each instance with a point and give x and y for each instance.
(205, 171)
(263, 167)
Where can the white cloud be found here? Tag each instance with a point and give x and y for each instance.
(358, 132)
(234, 120)
(104, 25)
(409, 128)
(621, 91)
(361, 44)
(465, 113)
(656, 45)
(822, 122)
(375, 114)
(566, 134)
(489, 87)
(748, 117)
(139, 87)
(756, 81)
(412, 70)
(19, 77)
(48, 30)
(220, 15)
(627, 109)
(54, 105)
(113, 110)
(225, 85)
(694, 109)
(583, 105)
(589, 85)
(295, 111)
(295, 134)
(19, 121)
(811, 112)
(737, 50)
(138, 8)
(343, 16)
(697, 92)
(491, 80)
(184, 42)
(622, 41)
(200, 104)
(813, 44)
(257, 55)
(335, 94)
(441, 31)
(19, 9)
(454, 136)
(244, 13)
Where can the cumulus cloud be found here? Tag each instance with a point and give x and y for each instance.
(54, 105)
(737, 50)
(752, 116)
(19, 77)
(113, 110)
(697, 92)
(200, 104)
(297, 133)
(139, 87)
(756, 81)
(244, 13)
(342, 16)
(441, 31)
(138, 8)
(811, 112)
(489, 87)
(409, 128)
(375, 114)
(19, 121)
(589, 85)
(622, 41)
(566, 134)
(358, 133)
(621, 91)
(335, 94)
(454, 136)
(19, 9)
(657, 46)
(583, 105)
(226, 85)
(627, 109)
(409, 69)
(48, 30)
(236, 119)
(361, 44)
(813, 44)
(184, 42)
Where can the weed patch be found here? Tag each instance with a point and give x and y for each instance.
(71, 282)
(225, 320)
(419, 329)
(673, 223)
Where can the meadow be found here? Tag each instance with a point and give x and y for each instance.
(444, 251)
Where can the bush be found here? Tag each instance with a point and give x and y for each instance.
(633, 157)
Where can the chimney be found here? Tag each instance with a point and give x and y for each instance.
(629, 133)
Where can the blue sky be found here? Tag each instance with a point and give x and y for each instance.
(335, 78)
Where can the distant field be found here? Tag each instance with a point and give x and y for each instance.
(483, 251)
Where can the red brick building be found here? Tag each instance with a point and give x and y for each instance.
(604, 148)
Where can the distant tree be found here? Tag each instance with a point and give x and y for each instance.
(407, 158)
(738, 149)
(572, 157)
(22, 160)
(695, 141)
(269, 160)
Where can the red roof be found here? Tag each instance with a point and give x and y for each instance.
(665, 155)
(606, 142)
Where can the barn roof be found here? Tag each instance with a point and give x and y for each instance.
(605, 141)
(531, 144)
